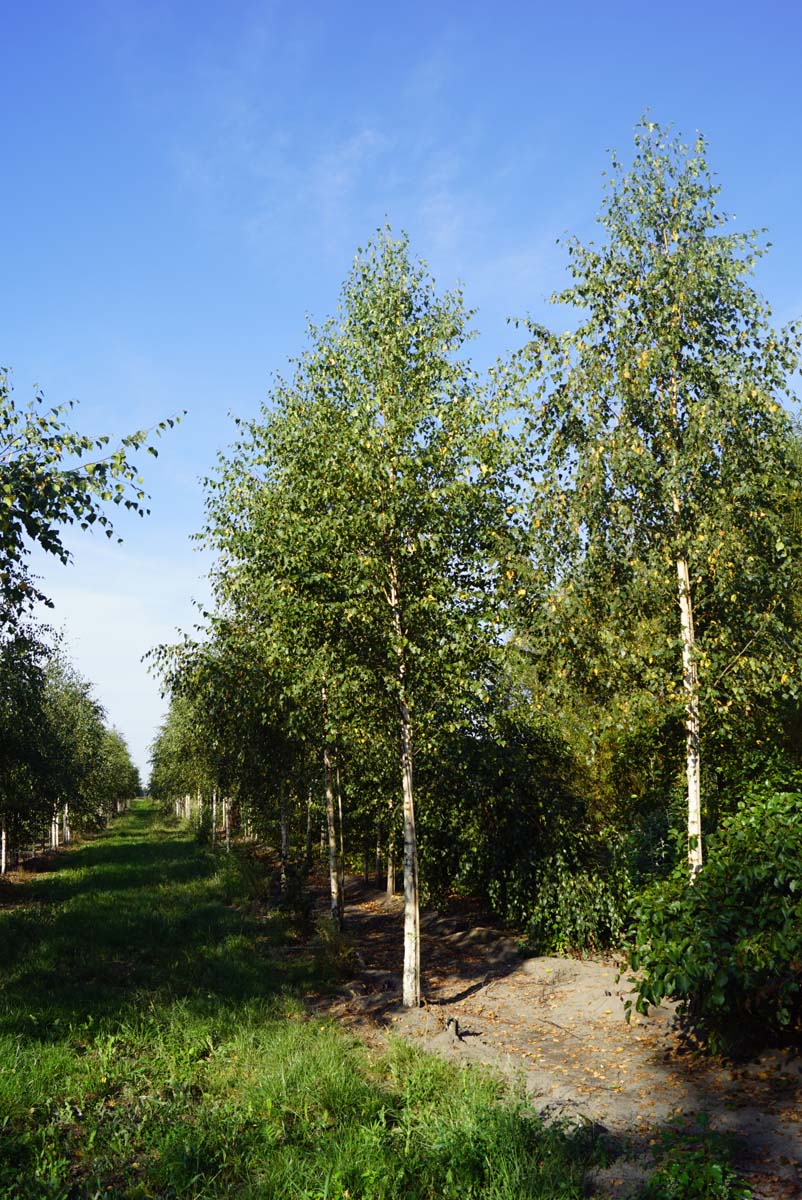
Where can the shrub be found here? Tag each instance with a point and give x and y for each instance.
(729, 947)
(576, 909)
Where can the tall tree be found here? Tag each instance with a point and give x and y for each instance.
(660, 445)
(364, 511)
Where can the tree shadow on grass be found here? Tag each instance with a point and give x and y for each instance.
(128, 920)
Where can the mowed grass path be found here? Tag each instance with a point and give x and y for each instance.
(153, 1043)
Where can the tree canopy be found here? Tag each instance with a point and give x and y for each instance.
(46, 483)
(660, 456)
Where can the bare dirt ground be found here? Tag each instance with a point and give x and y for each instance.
(558, 1025)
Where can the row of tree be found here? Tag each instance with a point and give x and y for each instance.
(61, 767)
(494, 614)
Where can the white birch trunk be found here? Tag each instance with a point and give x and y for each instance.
(214, 817)
(411, 978)
(308, 847)
(285, 833)
(691, 686)
(341, 871)
(227, 822)
(3, 848)
(390, 885)
(65, 825)
(334, 872)
(411, 991)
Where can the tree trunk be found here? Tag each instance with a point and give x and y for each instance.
(411, 995)
(308, 846)
(3, 848)
(334, 874)
(214, 817)
(391, 857)
(691, 685)
(411, 981)
(378, 854)
(65, 821)
(341, 873)
(227, 822)
(285, 833)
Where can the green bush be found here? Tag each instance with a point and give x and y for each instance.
(576, 909)
(564, 879)
(729, 946)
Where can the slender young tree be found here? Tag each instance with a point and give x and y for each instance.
(359, 521)
(659, 443)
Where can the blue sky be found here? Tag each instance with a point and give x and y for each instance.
(183, 183)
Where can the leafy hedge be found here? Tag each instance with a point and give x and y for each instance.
(729, 947)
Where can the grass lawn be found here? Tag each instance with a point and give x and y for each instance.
(153, 1043)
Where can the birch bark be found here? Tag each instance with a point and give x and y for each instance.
(391, 856)
(411, 995)
(334, 873)
(690, 683)
(308, 846)
(341, 871)
(285, 833)
(411, 978)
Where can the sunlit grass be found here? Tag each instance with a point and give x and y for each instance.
(153, 1043)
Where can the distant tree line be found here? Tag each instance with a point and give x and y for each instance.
(61, 767)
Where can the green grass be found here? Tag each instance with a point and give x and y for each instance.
(153, 1043)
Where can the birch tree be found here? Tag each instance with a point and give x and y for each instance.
(659, 442)
(364, 508)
